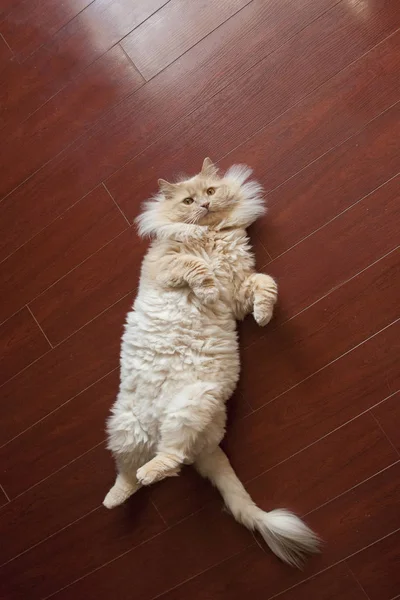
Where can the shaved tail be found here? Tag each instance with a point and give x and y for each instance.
(286, 535)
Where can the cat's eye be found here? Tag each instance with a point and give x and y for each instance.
(210, 191)
(188, 201)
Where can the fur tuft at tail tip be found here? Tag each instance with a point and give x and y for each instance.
(287, 536)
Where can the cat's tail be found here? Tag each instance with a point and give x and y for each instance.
(286, 535)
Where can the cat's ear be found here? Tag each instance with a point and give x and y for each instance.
(166, 188)
(209, 169)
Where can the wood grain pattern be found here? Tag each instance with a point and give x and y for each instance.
(73, 48)
(366, 231)
(120, 136)
(30, 24)
(3, 497)
(387, 414)
(307, 93)
(342, 524)
(326, 469)
(183, 560)
(243, 575)
(63, 373)
(66, 116)
(299, 418)
(57, 249)
(332, 584)
(39, 513)
(6, 5)
(21, 343)
(360, 517)
(367, 87)
(206, 132)
(319, 404)
(173, 30)
(377, 568)
(313, 338)
(64, 435)
(5, 52)
(328, 186)
(95, 539)
(84, 293)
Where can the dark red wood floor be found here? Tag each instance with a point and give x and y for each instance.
(99, 98)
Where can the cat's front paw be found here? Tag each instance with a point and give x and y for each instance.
(207, 294)
(265, 297)
(262, 314)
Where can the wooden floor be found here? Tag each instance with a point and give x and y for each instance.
(99, 98)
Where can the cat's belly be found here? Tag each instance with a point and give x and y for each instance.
(173, 343)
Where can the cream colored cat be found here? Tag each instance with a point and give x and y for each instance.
(179, 356)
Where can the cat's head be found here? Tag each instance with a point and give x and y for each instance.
(209, 199)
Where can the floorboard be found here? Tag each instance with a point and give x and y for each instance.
(100, 98)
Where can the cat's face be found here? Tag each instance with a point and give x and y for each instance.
(208, 199)
(205, 199)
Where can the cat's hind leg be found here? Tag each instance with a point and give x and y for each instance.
(131, 449)
(125, 486)
(195, 417)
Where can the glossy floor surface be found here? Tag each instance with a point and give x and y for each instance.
(99, 98)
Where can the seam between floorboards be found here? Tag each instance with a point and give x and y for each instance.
(39, 326)
(66, 274)
(84, 68)
(302, 99)
(252, 66)
(244, 417)
(272, 259)
(246, 481)
(90, 131)
(334, 564)
(320, 439)
(102, 117)
(328, 293)
(59, 407)
(184, 519)
(20, 56)
(325, 366)
(335, 146)
(13, 55)
(337, 216)
(357, 581)
(382, 429)
(116, 204)
(5, 493)
(221, 562)
(213, 566)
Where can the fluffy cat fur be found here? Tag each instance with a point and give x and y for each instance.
(179, 355)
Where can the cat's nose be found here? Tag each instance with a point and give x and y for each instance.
(206, 205)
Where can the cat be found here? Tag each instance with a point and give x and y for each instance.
(180, 356)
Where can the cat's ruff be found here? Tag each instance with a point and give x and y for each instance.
(180, 355)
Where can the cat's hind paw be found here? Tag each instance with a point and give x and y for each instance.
(117, 496)
(122, 489)
(156, 469)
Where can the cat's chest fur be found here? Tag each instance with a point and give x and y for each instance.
(228, 254)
